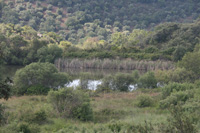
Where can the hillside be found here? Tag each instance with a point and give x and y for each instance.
(80, 19)
(99, 66)
(168, 42)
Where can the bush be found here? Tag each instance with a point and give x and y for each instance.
(179, 121)
(26, 128)
(175, 87)
(40, 116)
(119, 82)
(71, 103)
(191, 63)
(147, 80)
(118, 127)
(38, 74)
(141, 128)
(30, 115)
(38, 90)
(2, 116)
(115, 127)
(122, 81)
(197, 83)
(180, 75)
(171, 100)
(175, 98)
(145, 101)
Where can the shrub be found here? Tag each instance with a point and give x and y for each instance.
(30, 115)
(24, 128)
(38, 90)
(145, 101)
(83, 112)
(40, 116)
(71, 103)
(147, 80)
(44, 74)
(191, 63)
(115, 127)
(180, 75)
(2, 116)
(179, 121)
(175, 87)
(119, 82)
(141, 128)
(175, 98)
(151, 49)
(122, 81)
(27, 128)
(136, 76)
(197, 83)
(171, 100)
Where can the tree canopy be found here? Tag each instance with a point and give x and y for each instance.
(44, 74)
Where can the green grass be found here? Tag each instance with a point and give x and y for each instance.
(108, 108)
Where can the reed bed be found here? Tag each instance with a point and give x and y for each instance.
(117, 64)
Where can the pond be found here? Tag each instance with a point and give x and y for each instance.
(91, 78)
(86, 78)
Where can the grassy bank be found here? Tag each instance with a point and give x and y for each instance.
(109, 109)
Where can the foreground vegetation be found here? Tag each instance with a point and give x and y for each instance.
(137, 111)
(162, 100)
(170, 106)
(113, 112)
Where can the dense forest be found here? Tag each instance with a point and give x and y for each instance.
(156, 43)
(168, 42)
(76, 21)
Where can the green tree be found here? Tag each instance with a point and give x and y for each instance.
(118, 39)
(148, 80)
(5, 93)
(179, 53)
(119, 82)
(49, 53)
(44, 74)
(191, 62)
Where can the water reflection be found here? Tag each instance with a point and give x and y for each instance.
(92, 84)
(83, 78)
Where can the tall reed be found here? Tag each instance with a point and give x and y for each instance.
(125, 64)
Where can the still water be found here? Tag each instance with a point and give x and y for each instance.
(87, 78)
(91, 78)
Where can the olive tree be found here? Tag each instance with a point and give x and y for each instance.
(42, 74)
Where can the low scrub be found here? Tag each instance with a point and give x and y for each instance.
(175, 98)
(145, 101)
(69, 103)
(147, 80)
(175, 87)
(38, 90)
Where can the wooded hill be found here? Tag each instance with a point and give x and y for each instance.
(77, 20)
(169, 41)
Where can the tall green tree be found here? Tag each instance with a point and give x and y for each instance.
(191, 62)
(42, 74)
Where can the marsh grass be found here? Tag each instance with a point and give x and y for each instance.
(109, 109)
(126, 64)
